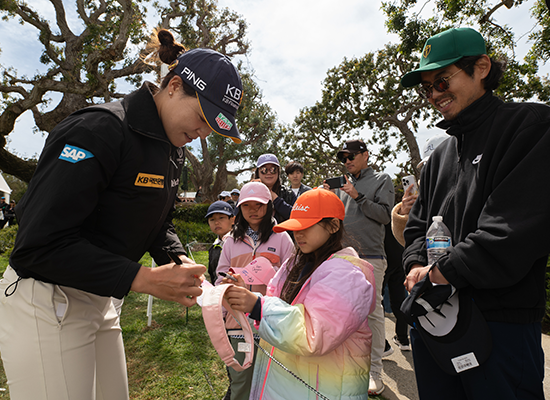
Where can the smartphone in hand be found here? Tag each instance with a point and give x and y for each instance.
(410, 181)
(336, 183)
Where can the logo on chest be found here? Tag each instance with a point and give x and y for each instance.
(150, 180)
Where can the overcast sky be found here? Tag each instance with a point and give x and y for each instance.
(293, 44)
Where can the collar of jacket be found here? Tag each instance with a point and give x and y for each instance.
(141, 112)
(472, 115)
(361, 174)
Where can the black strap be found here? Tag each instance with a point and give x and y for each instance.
(7, 293)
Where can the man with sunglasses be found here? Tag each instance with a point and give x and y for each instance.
(483, 182)
(368, 197)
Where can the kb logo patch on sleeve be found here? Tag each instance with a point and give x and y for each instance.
(74, 154)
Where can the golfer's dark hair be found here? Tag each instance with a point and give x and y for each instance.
(163, 43)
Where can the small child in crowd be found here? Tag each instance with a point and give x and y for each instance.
(251, 237)
(313, 318)
(220, 219)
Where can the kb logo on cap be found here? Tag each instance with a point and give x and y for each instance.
(233, 92)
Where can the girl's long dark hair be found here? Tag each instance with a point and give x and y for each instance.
(293, 285)
(266, 226)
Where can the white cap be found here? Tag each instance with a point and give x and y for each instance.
(430, 145)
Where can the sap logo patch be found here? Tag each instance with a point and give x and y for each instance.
(74, 154)
(150, 180)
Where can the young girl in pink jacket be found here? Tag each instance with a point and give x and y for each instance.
(252, 237)
(313, 318)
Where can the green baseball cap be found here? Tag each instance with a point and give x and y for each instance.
(445, 49)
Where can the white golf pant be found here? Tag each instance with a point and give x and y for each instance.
(60, 343)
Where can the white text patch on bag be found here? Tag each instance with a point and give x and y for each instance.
(465, 362)
(244, 347)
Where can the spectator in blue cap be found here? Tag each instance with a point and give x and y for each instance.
(268, 172)
(220, 217)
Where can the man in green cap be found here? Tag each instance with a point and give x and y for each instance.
(483, 181)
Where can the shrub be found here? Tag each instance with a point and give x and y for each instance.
(7, 239)
(193, 231)
(191, 212)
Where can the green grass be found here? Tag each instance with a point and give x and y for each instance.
(172, 359)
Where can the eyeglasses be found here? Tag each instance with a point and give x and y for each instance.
(270, 170)
(345, 157)
(441, 85)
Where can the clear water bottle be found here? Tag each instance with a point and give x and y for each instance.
(438, 239)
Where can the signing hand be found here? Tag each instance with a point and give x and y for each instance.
(171, 282)
(238, 277)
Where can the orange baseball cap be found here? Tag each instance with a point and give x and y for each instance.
(310, 208)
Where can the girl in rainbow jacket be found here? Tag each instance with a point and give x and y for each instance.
(251, 237)
(313, 318)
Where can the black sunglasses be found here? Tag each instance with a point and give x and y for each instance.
(271, 170)
(345, 157)
(441, 85)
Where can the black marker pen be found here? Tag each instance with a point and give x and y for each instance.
(228, 276)
(175, 258)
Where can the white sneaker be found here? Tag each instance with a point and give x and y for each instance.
(401, 346)
(388, 350)
(376, 386)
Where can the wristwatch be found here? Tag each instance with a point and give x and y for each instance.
(359, 196)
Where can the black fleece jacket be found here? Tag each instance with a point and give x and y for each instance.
(101, 196)
(488, 181)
